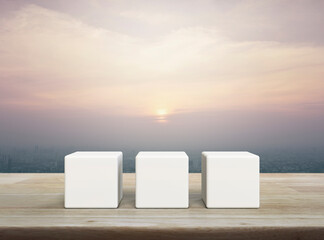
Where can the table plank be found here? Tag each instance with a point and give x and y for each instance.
(290, 203)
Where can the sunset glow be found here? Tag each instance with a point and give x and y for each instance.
(161, 112)
(51, 58)
(161, 115)
(132, 63)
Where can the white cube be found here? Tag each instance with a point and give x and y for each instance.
(230, 179)
(162, 180)
(93, 179)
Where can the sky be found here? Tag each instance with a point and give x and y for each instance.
(162, 74)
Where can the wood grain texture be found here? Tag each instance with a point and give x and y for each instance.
(31, 207)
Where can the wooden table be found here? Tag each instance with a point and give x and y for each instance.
(31, 207)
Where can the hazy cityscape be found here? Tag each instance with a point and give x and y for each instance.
(51, 160)
(155, 75)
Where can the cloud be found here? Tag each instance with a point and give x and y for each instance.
(149, 18)
(53, 60)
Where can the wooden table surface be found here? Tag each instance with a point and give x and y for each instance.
(31, 207)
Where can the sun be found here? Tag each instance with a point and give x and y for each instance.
(161, 115)
(161, 112)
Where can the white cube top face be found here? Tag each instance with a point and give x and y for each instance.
(93, 179)
(157, 155)
(228, 154)
(101, 154)
(230, 179)
(162, 180)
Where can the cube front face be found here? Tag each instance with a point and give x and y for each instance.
(230, 180)
(162, 180)
(93, 180)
